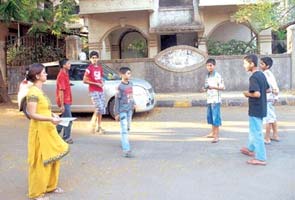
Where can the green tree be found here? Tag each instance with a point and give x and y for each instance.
(43, 16)
(267, 14)
(12, 10)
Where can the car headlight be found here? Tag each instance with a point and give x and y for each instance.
(139, 91)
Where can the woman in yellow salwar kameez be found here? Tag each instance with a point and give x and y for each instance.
(45, 146)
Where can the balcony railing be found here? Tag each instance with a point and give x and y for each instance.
(107, 6)
(226, 2)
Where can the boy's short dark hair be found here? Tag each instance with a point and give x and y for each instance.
(267, 61)
(93, 53)
(123, 70)
(252, 58)
(62, 62)
(211, 60)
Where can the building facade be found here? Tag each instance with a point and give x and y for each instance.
(121, 29)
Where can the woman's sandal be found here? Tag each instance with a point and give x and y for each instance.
(43, 197)
(58, 190)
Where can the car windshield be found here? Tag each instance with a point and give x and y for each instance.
(77, 72)
(109, 74)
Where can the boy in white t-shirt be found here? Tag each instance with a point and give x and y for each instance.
(213, 85)
(272, 96)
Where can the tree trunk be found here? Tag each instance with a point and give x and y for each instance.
(3, 91)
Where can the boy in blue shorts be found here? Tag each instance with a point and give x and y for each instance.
(213, 85)
(256, 95)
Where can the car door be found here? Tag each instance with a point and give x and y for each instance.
(81, 98)
(50, 85)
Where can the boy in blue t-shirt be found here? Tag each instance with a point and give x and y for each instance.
(256, 95)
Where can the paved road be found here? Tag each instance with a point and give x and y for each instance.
(172, 159)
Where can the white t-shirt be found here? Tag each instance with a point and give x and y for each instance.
(271, 80)
(214, 80)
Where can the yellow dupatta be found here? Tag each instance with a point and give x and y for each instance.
(43, 135)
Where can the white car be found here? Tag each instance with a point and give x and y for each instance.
(143, 92)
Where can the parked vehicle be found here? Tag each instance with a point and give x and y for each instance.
(143, 92)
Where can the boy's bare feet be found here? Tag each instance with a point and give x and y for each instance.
(215, 140)
(247, 152)
(276, 139)
(267, 141)
(256, 162)
(210, 135)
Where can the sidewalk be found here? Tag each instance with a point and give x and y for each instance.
(228, 99)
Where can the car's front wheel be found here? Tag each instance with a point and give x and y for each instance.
(111, 108)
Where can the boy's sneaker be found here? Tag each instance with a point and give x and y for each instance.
(100, 130)
(127, 154)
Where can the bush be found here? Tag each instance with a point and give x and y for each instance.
(25, 55)
(232, 47)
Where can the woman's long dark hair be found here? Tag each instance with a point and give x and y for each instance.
(34, 70)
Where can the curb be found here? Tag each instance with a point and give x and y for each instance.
(283, 101)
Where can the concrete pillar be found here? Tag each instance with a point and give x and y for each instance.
(153, 46)
(73, 47)
(291, 50)
(202, 44)
(105, 50)
(197, 17)
(154, 15)
(265, 40)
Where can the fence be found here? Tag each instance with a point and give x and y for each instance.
(164, 81)
(37, 48)
(230, 67)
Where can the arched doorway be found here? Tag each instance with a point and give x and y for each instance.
(124, 42)
(227, 31)
(132, 44)
(230, 38)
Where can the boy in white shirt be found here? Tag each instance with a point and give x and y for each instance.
(213, 84)
(272, 96)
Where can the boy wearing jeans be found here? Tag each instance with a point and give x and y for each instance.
(256, 95)
(64, 98)
(213, 85)
(124, 106)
